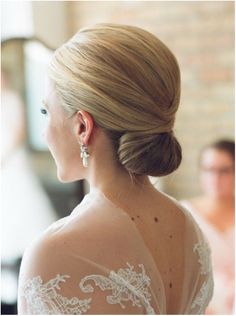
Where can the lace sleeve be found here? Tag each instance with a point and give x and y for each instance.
(206, 281)
(198, 284)
(204, 287)
(43, 298)
(53, 281)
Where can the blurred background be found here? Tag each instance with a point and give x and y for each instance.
(201, 36)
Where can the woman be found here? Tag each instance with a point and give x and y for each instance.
(112, 94)
(214, 211)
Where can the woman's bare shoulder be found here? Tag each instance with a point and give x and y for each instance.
(170, 205)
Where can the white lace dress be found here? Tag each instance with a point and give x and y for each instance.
(106, 268)
(223, 263)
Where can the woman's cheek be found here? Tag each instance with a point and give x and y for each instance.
(47, 134)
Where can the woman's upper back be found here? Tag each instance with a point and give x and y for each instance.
(176, 245)
(154, 261)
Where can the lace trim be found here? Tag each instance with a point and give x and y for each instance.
(125, 284)
(204, 256)
(44, 299)
(204, 295)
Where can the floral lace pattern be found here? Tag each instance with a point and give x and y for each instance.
(204, 296)
(206, 291)
(126, 284)
(204, 258)
(42, 298)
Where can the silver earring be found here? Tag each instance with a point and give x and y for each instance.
(84, 154)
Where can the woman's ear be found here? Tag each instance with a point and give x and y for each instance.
(83, 126)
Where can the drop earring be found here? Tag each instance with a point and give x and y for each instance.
(84, 155)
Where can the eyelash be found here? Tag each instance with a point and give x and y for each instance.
(43, 111)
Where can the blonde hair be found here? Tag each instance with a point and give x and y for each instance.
(129, 81)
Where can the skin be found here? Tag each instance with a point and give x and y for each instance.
(217, 182)
(161, 221)
(63, 136)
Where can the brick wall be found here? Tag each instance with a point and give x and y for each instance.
(201, 35)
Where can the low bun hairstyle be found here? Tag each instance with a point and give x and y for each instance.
(129, 81)
(154, 155)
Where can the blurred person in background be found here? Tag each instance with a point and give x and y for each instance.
(25, 209)
(214, 210)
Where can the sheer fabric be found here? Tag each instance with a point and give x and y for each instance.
(223, 262)
(86, 264)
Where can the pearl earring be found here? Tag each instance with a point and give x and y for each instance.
(84, 155)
